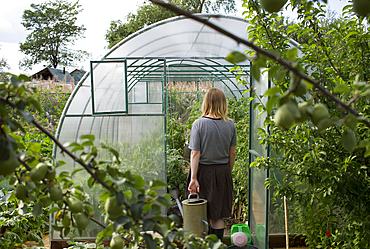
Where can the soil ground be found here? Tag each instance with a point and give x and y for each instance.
(29, 244)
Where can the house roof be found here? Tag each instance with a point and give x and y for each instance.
(59, 75)
(77, 74)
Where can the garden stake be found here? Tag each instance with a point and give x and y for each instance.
(286, 224)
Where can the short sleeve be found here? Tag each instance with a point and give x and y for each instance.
(194, 143)
(234, 137)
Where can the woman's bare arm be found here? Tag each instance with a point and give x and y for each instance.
(194, 162)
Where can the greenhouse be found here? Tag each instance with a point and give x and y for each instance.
(124, 101)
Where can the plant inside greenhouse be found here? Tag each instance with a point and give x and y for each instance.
(104, 163)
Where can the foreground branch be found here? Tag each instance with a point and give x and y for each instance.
(63, 148)
(266, 53)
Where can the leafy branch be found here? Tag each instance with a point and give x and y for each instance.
(268, 54)
(31, 119)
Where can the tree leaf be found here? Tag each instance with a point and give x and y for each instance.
(351, 121)
(87, 143)
(26, 115)
(150, 242)
(122, 221)
(272, 91)
(35, 104)
(54, 209)
(235, 57)
(156, 184)
(292, 54)
(162, 229)
(165, 201)
(139, 182)
(90, 137)
(149, 224)
(15, 81)
(341, 88)
(367, 152)
(37, 209)
(35, 147)
(136, 210)
(66, 231)
(273, 71)
(256, 73)
(90, 181)
(363, 143)
(349, 140)
(271, 103)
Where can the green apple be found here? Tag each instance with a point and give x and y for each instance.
(21, 192)
(38, 173)
(112, 209)
(55, 193)
(272, 5)
(303, 110)
(116, 242)
(319, 113)
(300, 90)
(283, 117)
(50, 173)
(81, 221)
(74, 204)
(361, 7)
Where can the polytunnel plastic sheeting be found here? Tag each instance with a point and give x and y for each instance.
(139, 141)
(183, 37)
(81, 103)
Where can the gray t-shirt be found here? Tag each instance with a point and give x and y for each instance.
(213, 138)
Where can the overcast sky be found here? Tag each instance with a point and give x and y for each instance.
(96, 17)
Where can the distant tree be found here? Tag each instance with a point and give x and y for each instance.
(208, 6)
(53, 29)
(148, 13)
(3, 66)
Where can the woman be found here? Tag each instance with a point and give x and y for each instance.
(212, 144)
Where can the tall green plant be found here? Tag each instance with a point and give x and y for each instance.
(239, 112)
(52, 98)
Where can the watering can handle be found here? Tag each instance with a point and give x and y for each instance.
(207, 227)
(193, 194)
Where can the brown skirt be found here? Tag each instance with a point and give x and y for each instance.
(216, 186)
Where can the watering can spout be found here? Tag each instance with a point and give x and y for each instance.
(175, 195)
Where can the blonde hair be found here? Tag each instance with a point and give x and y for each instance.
(215, 104)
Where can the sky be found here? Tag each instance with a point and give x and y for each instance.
(96, 17)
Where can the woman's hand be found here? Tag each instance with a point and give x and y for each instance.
(193, 186)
